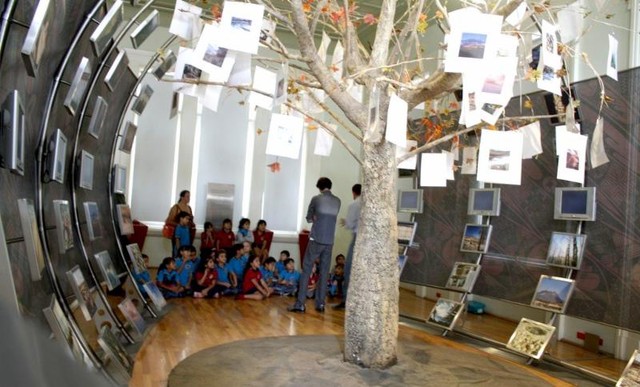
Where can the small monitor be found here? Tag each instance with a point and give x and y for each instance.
(575, 203)
(103, 34)
(410, 200)
(140, 34)
(406, 232)
(484, 201)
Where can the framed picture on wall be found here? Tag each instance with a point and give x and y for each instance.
(78, 86)
(12, 132)
(97, 117)
(118, 68)
(119, 179)
(566, 250)
(155, 294)
(132, 315)
(56, 158)
(86, 170)
(463, 276)
(631, 374)
(476, 238)
(35, 42)
(64, 229)
(92, 216)
(127, 137)
(82, 292)
(136, 258)
(445, 313)
(125, 221)
(59, 323)
(531, 338)
(145, 29)
(32, 240)
(144, 97)
(553, 293)
(102, 35)
(109, 273)
(114, 349)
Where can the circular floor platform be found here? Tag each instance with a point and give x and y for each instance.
(317, 361)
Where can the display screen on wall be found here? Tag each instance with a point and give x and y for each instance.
(575, 203)
(145, 29)
(78, 86)
(143, 99)
(117, 70)
(168, 61)
(97, 117)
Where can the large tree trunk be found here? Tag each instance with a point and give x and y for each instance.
(371, 321)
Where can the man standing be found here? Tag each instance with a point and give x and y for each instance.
(323, 213)
(351, 224)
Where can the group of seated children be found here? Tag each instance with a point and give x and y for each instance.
(224, 239)
(242, 275)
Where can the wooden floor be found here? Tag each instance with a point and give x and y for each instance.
(191, 325)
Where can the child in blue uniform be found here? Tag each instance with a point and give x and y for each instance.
(167, 279)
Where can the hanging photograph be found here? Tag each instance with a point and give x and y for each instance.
(64, 228)
(553, 293)
(82, 292)
(612, 58)
(130, 312)
(114, 349)
(186, 21)
(531, 338)
(187, 72)
(92, 217)
(155, 294)
(630, 377)
(97, 117)
(86, 170)
(445, 313)
(472, 39)
(125, 221)
(12, 132)
(240, 26)
(572, 149)
(119, 179)
(476, 238)
(500, 157)
(433, 170)
(211, 57)
(109, 273)
(32, 240)
(463, 276)
(136, 258)
(127, 137)
(36, 40)
(78, 86)
(566, 250)
(285, 136)
(264, 88)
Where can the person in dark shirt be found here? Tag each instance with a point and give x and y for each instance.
(323, 213)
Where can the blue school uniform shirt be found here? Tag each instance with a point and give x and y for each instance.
(142, 278)
(223, 273)
(280, 268)
(237, 266)
(167, 277)
(182, 233)
(267, 275)
(187, 270)
(292, 277)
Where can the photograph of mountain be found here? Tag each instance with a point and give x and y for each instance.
(552, 293)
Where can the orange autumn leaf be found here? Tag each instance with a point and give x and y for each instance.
(274, 167)
(306, 7)
(216, 12)
(259, 131)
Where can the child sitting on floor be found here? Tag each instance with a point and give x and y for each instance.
(288, 280)
(284, 255)
(268, 272)
(313, 281)
(205, 284)
(335, 281)
(253, 286)
(167, 279)
(226, 279)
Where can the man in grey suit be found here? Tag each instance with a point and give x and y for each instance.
(323, 213)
